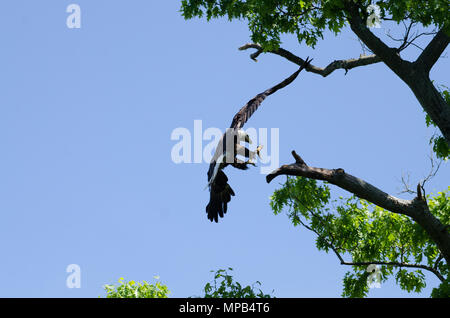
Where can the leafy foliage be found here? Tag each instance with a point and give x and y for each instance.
(355, 286)
(223, 286)
(356, 229)
(308, 19)
(443, 291)
(134, 289)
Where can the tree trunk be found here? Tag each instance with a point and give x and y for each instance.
(437, 231)
(415, 75)
(431, 101)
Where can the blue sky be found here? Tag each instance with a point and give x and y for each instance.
(86, 173)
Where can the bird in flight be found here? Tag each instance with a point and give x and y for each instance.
(229, 147)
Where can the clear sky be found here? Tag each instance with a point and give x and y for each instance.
(86, 175)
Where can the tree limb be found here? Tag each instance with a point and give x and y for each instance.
(397, 264)
(340, 178)
(388, 55)
(415, 75)
(437, 261)
(417, 208)
(330, 68)
(433, 51)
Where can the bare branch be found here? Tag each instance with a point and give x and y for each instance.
(364, 47)
(330, 68)
(416, 208)
(433, 170)
(406, 185)
(339, 177)
(407, 38)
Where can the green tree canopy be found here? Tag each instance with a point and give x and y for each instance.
(307, 20)
(224, 286)
(132, 289)
(366, 234)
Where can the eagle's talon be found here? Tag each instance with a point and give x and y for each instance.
(251, 163)
(258, 149)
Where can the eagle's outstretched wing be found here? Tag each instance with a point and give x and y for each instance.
(248, 109)
(220, 190)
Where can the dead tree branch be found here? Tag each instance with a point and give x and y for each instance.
(330, 68)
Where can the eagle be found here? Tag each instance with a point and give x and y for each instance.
(229, 147)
